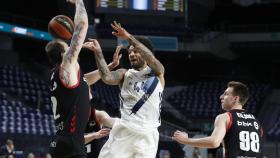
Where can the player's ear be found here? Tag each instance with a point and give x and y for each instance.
(236, 98)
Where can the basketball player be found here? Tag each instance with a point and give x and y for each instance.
(135, 134)
(240, 131)
(69, 91)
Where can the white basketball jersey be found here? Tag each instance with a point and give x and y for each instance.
(140, 99)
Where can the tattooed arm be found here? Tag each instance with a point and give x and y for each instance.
(109, 77)
(69, 62)
(80, 30)
(146, 54)
(94, 76)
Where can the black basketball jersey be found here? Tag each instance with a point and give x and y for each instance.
(70, 104)
(244, 136)
(93, 124)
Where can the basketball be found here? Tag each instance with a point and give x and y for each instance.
(61, 27)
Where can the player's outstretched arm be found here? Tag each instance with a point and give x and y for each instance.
(96, 135)
(109, 77)
(79, 34)
(212, 141)
(151, 60)
(93, 76)
(69, 61)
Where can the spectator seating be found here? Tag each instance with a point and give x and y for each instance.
(274, 132)
(201, 99)
(22, 84)
(109, 95)
(19, 119)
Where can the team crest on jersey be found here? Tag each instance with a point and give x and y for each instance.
(256, 125)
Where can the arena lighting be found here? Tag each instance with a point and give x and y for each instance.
(24, 31)
(168, 8)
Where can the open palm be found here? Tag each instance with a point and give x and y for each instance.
(119, 31)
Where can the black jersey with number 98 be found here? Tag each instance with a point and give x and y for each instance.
(244, 136)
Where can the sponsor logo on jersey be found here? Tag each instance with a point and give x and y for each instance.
(245, 116)
(256, 125)
(243, 123)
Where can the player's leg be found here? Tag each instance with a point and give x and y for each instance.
(95, 147)
(147, 145)
(61, 146)
(119, 144)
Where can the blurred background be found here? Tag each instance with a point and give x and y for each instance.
(203, 44)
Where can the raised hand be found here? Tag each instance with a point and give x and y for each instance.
(116, 58)
(119, 31)
(92, 45)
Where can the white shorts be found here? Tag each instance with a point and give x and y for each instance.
(126, 143)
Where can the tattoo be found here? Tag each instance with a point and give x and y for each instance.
(111, 66)
(76, 41)
(81, 26)
(101, 64)
(106, 75)
(118, 74)
(147, 55)
(80, 10)
(65, 76)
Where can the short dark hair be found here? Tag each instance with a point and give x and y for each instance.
(9, 142)
(241, 90)
(146, 42)
(54, 50)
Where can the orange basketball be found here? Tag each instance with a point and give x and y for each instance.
(61, 27)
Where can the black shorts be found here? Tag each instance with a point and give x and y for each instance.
(70, 146)
(93, 148)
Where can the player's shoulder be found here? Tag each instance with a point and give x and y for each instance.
(122, 70)
(223, 117)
